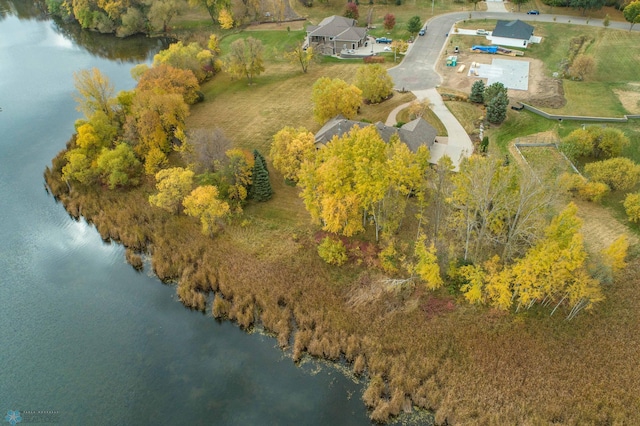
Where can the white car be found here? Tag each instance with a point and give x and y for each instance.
(387, 49)
(482, 32)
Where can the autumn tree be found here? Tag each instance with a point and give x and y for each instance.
(333, 97)
(204, 203)
(173, 185)
(204, 150)
(289, 149)
(96, 133)
(213, 7)
(133, 21)
(187, 57)
(119, 167)
(477, 92)
(300, 56)
(618, 173)
(595, 142)
(351, 11)
(632, 207)
(162, 12)
(414, 25)
(389, 21)
(168, 79)
(374, 82)
(358, 179)
(78, 168)
(225, 18)
(616, 253)
(582, 66)
(631, 13)
(94, 92)
(426, 266)
(238, 177)
(552, 273)
(245, 58)
(496, 209)
(155, 120)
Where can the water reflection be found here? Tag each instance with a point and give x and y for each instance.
(36, 9)
(133, 49)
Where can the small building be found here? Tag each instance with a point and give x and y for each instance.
(414, 134)
(512, 33)
(336, 33)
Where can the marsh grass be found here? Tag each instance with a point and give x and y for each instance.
(470, 365)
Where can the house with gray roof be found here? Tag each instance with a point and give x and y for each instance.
(334, 34)
(414, 134)
(512, 33)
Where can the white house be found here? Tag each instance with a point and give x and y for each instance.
(512, 33)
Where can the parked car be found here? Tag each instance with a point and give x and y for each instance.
(387, 49)
(383, 40)
(482, 32)
(533, 12)
(422, 31)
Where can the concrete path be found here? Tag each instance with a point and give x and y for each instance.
(392, 119)
(496, 6)
(457, 144)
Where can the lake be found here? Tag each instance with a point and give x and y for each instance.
(86, 340)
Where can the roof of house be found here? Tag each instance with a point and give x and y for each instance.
(337, 27)
(513, 29)
(414, 133)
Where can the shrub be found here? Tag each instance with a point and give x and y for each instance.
(619, 173)
(632, 207)
(332, 251)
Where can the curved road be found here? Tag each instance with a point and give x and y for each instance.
(416, 72)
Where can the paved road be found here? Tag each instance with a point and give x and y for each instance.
(417, 70)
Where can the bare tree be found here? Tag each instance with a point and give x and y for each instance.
(205, 149)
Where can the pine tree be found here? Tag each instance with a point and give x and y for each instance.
(497, 108)
(477, 92)
(261, 187)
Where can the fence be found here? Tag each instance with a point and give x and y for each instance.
(544, 114)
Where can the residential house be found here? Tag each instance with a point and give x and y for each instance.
(512, 33)
(414, 133)
(334, 34)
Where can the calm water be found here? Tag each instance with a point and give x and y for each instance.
(81, 333)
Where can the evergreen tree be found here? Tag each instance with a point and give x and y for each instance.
(477, 92)
(261, 187)
(497, 108)
(492, 91)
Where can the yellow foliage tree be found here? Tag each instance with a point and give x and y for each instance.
(427, 266)
(225, 19)
(203, 203)
(300, 56)
(333, 97)
(616, 253)
(374, 82)
(289, 149)
(173, 185)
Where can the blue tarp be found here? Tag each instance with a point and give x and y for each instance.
(489, 49)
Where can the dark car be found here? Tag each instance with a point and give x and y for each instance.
(533, 12)
(383, 40)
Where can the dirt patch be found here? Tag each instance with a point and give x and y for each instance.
(599, 227)
(543, 91)
(629, 100)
